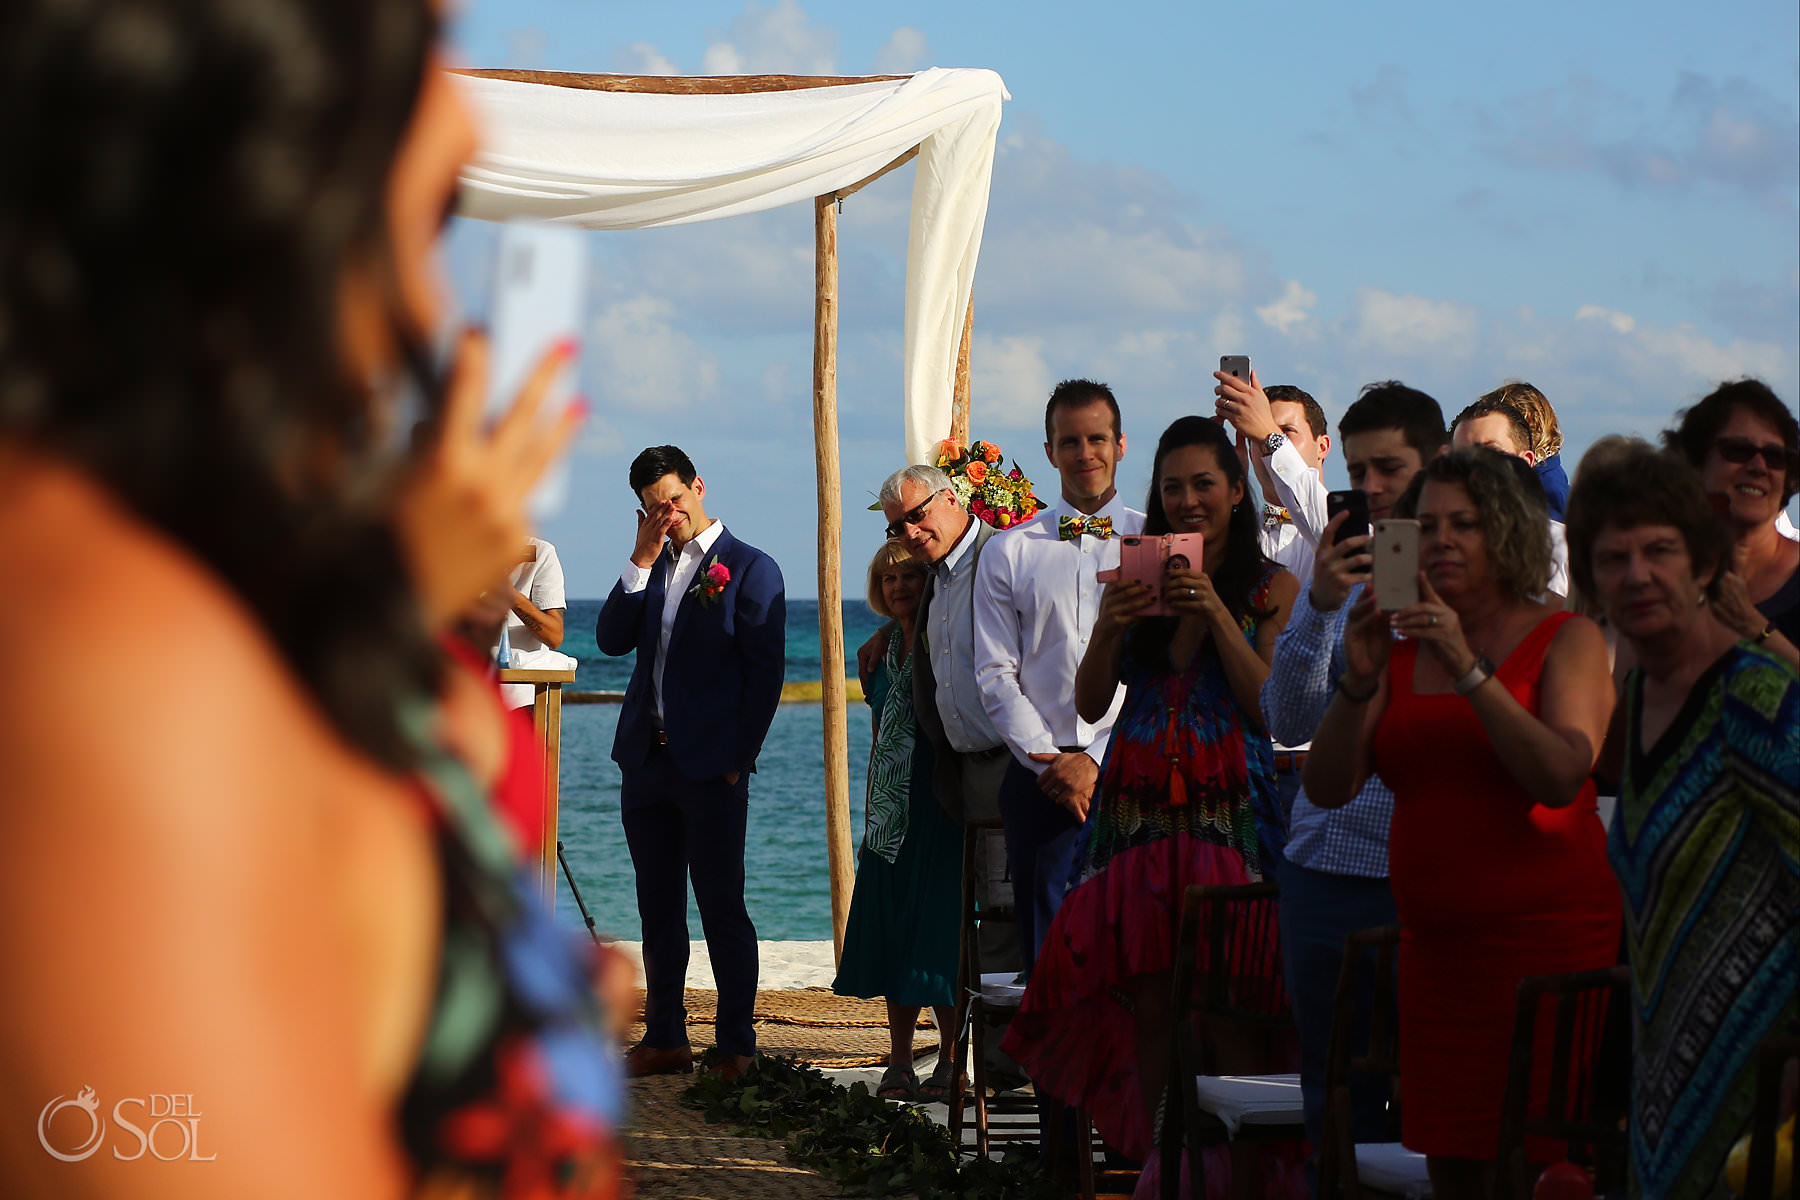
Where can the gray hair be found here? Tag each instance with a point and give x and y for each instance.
(932, 479)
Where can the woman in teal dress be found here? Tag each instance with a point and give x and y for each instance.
(1705, 841)
(900, 941)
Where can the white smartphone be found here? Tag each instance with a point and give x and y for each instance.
(1396, 549)
(540, 287)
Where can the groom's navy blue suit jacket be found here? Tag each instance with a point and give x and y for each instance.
(726, 660)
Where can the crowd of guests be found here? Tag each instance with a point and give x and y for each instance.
(1436, 765)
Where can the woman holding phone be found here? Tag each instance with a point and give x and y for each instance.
(247, 852)
(1485, 717)
(1188, 773)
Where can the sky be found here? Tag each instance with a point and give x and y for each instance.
(1603, 200)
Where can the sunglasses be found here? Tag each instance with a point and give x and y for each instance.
(915, 517)
(1742, 450)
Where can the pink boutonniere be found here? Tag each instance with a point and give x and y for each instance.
(712, 582)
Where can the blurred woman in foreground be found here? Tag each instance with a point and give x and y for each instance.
(1486, 721)
(1706, 838)
(247, 856)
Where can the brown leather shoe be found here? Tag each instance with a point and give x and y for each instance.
(729, 1066)
(656, 1060)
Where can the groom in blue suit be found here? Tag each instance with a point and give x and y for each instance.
(707, 617)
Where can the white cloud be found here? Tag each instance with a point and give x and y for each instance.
(642, 58)
(779, 39)
(906, 50)
(1412, 325)
(642, 361)
(1288, 313)
(1008, 384)
(1622, 322)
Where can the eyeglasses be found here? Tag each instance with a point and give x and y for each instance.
(915, 517)
(1742, 450)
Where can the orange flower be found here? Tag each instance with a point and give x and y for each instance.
(948, 448)
(976, 470)
(992, 453)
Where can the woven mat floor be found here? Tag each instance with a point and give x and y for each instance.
(813, 1025)
(675, 1155)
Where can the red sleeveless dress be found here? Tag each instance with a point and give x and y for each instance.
(1490, 887)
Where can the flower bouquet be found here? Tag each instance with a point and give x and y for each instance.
(1001, 498)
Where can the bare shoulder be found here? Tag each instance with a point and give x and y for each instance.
(1580, 635)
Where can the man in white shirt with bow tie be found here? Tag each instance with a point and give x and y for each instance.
(1035, 599)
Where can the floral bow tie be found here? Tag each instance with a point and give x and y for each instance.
(1070, 528)
(1273, 515)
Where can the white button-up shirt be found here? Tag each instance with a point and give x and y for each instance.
(951, 637)
(1301, 490)
(682, 570)
(1036, 597)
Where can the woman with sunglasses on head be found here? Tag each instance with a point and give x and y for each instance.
(1189, 776)
(247, 851)
(1746, 445)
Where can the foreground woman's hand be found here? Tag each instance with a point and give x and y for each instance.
(1436, 625)
(1367, 643)
(460, 516)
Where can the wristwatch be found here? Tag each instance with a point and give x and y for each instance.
(1480, 673)
(1272, 443)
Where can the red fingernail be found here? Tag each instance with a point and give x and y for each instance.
(566, 346)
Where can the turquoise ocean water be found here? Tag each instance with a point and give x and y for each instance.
(786, 885)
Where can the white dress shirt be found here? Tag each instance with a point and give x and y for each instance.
(1559, 558)
(541, 582)
(1036, 597)
(682, 570)
(1301, 490)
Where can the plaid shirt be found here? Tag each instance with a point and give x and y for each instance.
(1309, 658)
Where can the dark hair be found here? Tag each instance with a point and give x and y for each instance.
(1634, 484)
(1515, 517)
(1390, 404)
(658, 461)
(184, 189)
(1287, 393)
(1487, 406)
(1244, 562)
(1693, 436)
(1079, 393)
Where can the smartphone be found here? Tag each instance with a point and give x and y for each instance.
(1355, 503)
(1146, 558)
(540, 286)
(1235, 364)
(1396, 550)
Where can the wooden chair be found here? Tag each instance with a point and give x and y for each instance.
(1241, 982)
(1772, 1058)
(1587, 1100)
(1349, 1170)
(981, 993)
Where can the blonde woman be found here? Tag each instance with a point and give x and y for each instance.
(900, 941)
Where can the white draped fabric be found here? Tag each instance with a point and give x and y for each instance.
(633, 160)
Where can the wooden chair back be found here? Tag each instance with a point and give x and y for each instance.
(1368, 972)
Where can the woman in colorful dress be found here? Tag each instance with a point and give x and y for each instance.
(246, 850)
(1485, 719)
(1706, 838)
(900, 941)
(1188, 774)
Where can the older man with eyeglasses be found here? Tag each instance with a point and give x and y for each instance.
(925, 516)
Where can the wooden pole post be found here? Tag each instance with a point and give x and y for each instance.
(959, 404)
(831, 598)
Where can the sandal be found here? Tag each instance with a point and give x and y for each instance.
(898, 1083)
(936, 1088)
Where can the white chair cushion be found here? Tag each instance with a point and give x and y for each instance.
(1239, 1100)
(1391, 1167)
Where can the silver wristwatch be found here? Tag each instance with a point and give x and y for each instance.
(1272, 443)
(1480, 673)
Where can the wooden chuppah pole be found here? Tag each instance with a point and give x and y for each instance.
(959, 398)
(831, 592)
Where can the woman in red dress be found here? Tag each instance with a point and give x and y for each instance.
(1485, 719)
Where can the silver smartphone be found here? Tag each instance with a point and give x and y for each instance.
(540, 286)
(1396, 550)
